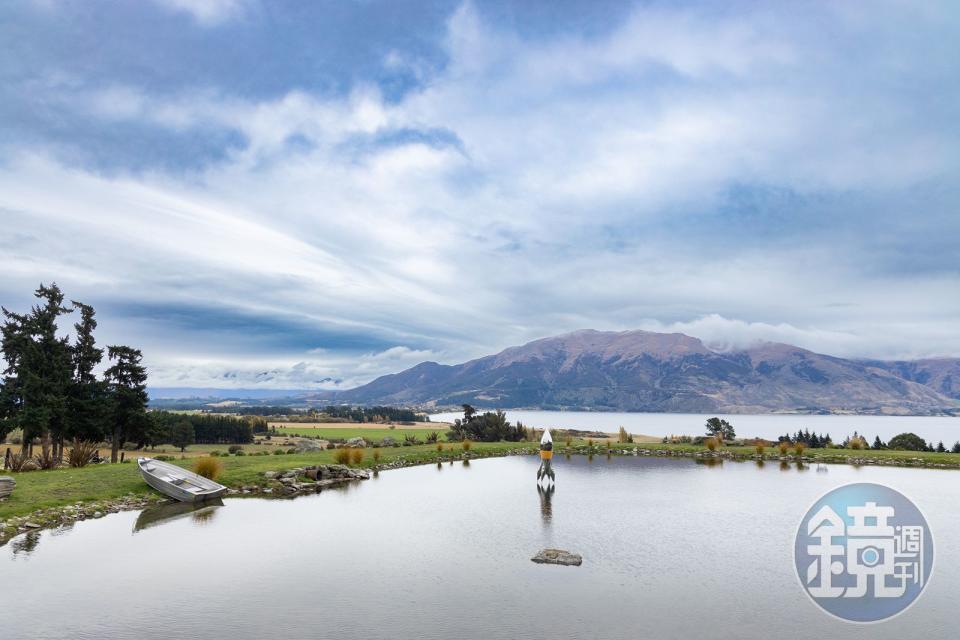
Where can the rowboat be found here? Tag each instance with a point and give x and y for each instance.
(6, 486)
(178, 483)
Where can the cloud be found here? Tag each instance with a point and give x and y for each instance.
(208, 12)
(737, 174)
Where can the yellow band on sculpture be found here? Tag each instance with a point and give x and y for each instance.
(546, 455)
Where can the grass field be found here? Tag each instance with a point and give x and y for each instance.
(419, 426)
(373, 433)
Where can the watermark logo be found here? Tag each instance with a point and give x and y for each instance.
(864, 552)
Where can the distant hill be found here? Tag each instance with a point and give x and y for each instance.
(647, 371)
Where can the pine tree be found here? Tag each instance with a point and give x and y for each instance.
(87, 393)
(127, 395)
(15, 338)
(38, 370)
(878, 443)
(956, 447)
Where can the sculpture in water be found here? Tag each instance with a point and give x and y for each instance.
(546, 455)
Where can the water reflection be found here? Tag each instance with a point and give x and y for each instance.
(546, 502)
(201, 512)
(26, 543)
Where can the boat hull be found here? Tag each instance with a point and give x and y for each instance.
(182, 492)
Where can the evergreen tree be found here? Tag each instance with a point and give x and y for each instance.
(941, 448)
(956, 447)
(181, 435)
(127, 394)
(15, 337)
(38, 369)
(87, 394)
(719, 428)
(878, 443)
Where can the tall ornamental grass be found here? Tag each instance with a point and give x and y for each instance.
(208, 467)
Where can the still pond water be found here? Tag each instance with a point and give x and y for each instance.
(671, 548)
(932, 428)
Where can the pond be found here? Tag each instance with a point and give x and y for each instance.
(671, 548)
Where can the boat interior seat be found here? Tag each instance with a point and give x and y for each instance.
(175, 480)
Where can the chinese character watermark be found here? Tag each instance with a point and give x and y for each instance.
(864, 553)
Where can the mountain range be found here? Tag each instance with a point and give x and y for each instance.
(671, 372)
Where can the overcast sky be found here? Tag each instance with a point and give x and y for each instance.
(310, 194)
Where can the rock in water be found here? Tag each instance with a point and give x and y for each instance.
(558, 556)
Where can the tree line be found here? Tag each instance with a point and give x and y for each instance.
(50, 387)
(182, 430)
(491, 426)
(374, 414)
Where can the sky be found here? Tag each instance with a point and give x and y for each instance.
(295, 195)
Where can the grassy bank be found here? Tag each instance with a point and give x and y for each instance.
(837, 456)
(43, 489)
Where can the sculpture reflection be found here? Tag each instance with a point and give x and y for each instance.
(546, 502)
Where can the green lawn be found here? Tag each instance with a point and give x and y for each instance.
(42, 489)
(371, 435)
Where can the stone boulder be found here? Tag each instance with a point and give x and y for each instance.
(356, 442)
(306, 445)
(558, 556)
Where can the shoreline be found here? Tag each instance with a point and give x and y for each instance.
(276, 481)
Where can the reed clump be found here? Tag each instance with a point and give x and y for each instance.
(356, 456)
(82, 453)
(466, 445)
(799, 448)
(439, 447)
(759, 447)
(376, 455)
(342, 456)
(711, 444)
(208, 467)
(784, 447)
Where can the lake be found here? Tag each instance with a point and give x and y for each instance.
(934, 428)
(671, 548)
